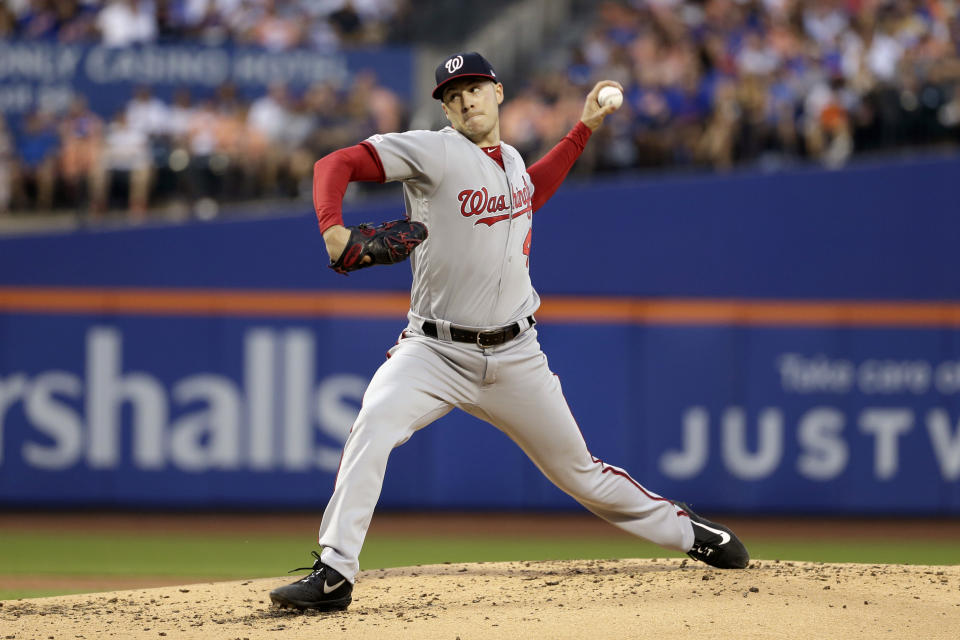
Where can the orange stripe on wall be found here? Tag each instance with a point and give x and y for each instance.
(754, 312)
(202, 302)
(588, 310)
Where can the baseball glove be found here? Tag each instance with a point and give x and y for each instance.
(388, 243)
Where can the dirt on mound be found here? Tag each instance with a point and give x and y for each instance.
(665, 598)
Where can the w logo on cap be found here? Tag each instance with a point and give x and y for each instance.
(453, 64)
(461, 65)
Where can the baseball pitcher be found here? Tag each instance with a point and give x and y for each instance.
(471, 340)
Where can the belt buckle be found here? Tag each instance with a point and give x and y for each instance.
(481, 334)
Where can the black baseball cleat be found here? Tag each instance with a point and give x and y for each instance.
(715, 544)
(324, 589)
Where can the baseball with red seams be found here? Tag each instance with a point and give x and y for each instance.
(610, 96)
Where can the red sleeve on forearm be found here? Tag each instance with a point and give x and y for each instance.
(331, 175)
(549, 171)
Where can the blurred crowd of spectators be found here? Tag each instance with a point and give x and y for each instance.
(273, 24)
(709, 84)
(715, 83)
(189, 151)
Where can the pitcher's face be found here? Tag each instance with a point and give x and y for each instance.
(472, 105)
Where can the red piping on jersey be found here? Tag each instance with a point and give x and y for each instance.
(403, 334)
(336, 477)
(605, 468)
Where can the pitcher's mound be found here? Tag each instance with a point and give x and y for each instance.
(664, 599)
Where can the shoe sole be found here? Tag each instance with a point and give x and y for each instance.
(740, 562)
(323, 605)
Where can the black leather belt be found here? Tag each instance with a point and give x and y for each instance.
(482, 339)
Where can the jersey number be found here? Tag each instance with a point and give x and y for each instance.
(526, 245)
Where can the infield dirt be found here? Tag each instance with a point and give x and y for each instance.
(664, 599)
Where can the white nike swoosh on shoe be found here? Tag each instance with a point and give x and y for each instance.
(327, 589)
(724, 536)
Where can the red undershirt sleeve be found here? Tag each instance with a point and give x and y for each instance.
(331, 175)
(548, 172)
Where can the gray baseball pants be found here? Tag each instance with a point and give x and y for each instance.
(511, 387)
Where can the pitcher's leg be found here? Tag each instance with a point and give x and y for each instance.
(409, 391)
(528, 405)
(554, 443)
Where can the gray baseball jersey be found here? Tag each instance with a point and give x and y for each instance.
(473, 269)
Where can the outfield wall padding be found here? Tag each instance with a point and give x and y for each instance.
(756, 343)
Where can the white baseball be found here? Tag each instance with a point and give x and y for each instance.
(610, 96)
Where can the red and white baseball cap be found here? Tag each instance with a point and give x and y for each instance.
(462, 65)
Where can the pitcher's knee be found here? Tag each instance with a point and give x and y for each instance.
(599, 486)
(578, 483)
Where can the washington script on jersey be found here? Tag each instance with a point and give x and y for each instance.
(276, 418)
(475, 202)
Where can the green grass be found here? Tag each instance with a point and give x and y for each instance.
(871, 552)
(194, 557)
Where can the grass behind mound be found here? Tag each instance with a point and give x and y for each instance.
(60, 557)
